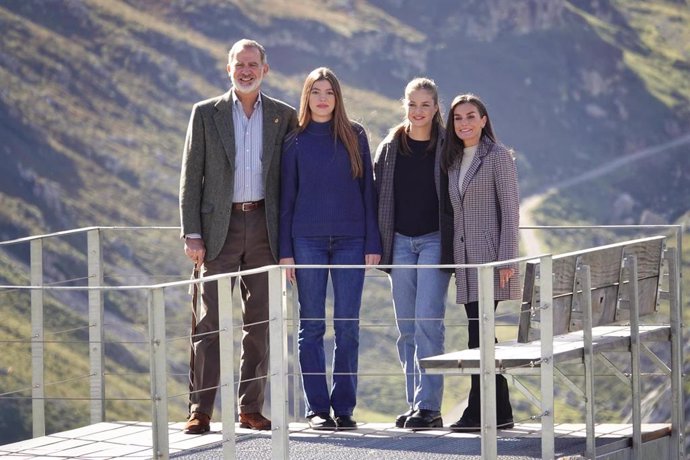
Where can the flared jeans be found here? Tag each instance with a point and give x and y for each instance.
(347, 298)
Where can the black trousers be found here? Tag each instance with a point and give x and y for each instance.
(504, 411)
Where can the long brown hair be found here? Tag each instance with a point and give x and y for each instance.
(454, 146)
(343, 128)
(400, 132)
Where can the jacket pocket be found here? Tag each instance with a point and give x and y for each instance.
(491, 246)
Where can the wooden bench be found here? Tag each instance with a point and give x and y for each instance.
(593, 304)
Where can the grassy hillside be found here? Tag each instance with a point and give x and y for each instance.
(96, 98)
(98, 93)
(654, 41)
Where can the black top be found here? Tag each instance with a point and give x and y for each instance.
(416, 202)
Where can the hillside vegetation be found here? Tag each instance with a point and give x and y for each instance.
(95, 100)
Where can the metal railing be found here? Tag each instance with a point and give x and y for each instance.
(279, 365)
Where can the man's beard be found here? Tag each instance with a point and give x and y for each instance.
(247, 89)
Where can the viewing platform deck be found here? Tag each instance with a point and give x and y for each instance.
(132, 440)
(108, 367)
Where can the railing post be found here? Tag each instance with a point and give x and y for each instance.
(487, 364)
(630, 263)
(96, 357)
(585, 286)
(677, 345)
(678, 427)
(547, 365)
(227, 366)
(277, 312)
(679, 265)
(37, 345)
(159, 390)
(296, 376)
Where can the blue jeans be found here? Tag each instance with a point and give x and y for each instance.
(347, 292)
(419, 299)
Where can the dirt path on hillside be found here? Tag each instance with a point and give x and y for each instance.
(530, 243)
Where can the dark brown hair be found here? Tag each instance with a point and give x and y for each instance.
(454, 146)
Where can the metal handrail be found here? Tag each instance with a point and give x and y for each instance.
(73, 231)
(157, 322)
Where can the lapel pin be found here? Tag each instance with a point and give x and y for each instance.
(276, 120)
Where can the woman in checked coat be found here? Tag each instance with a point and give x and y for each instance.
(479, 224)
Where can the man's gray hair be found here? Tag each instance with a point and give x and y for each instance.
(247, 43)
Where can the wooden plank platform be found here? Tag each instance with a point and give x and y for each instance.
(132, 440)
(107, 440)
(566, 347)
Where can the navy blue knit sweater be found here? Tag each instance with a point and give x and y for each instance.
(318, 195)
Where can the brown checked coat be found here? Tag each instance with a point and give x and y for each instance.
(208, 169)
(384, 174)
(480, 220)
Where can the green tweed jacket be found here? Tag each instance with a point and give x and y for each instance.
(208, 169)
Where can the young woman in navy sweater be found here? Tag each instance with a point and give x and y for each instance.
(328, 217)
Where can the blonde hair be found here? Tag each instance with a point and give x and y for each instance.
(400, 131)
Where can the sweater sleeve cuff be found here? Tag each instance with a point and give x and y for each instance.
(372, 246)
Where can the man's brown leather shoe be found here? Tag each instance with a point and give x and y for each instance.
(254, 421)
(198, 423)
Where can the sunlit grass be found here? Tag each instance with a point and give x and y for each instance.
(661, 55)
(344, 19)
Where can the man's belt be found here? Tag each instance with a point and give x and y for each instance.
(248, 206)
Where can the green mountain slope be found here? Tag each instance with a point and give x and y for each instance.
(96, 94)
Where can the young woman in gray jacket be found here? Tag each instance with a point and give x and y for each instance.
(407, 177)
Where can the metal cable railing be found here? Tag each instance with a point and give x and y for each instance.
(158, 337)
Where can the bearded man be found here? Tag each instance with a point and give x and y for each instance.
(229, 204)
